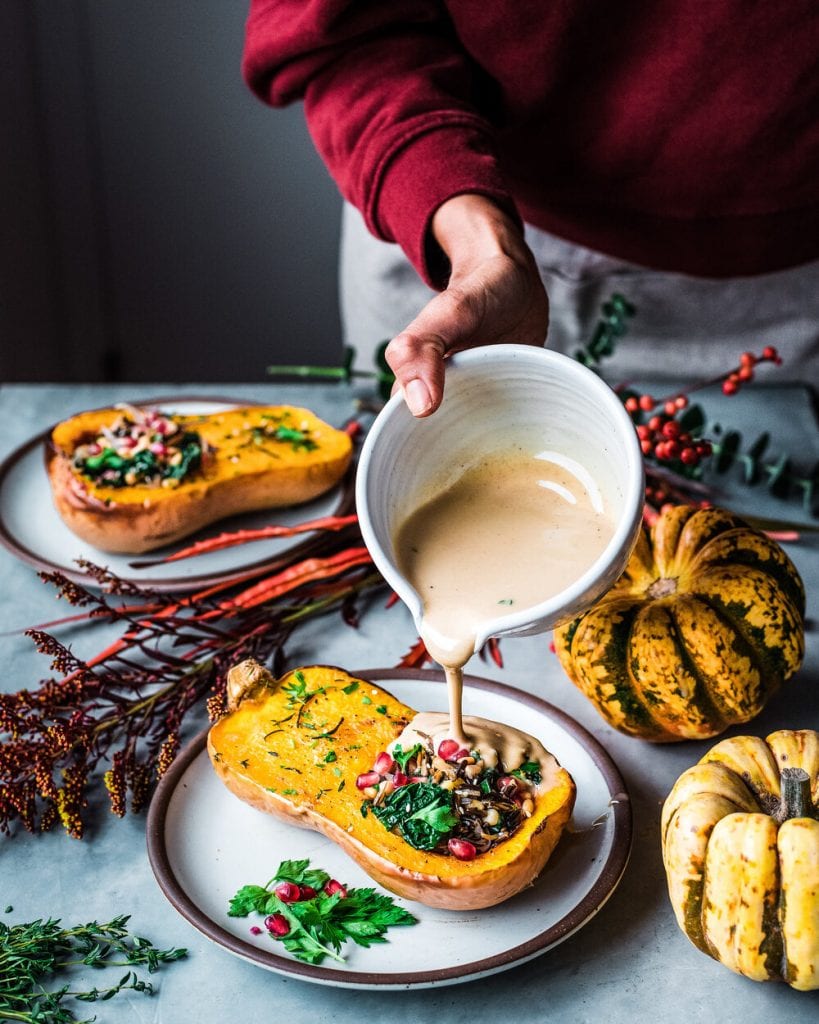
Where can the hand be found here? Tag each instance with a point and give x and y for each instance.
(494, 295)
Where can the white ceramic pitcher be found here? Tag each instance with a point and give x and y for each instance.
(494, 396)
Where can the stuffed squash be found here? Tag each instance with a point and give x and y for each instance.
(130, 479)
(323, 750)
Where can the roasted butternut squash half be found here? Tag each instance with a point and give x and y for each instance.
(130, 479)
(318, 749)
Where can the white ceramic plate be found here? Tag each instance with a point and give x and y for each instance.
(31, 528)
(204, 844)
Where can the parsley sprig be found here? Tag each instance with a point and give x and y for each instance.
(319, 926)
(33, 952)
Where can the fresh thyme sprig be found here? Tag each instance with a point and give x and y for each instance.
(34, 952)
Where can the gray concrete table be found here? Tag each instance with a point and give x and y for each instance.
(629, 963)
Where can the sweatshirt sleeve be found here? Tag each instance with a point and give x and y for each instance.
(392, 104)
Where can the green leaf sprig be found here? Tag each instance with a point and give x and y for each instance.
(330, 915)
(33, 952)
(382, 375)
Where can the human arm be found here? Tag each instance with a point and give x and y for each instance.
(494, 295)
(401, 116)
(398, 111)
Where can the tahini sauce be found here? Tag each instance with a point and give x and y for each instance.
(512, 531)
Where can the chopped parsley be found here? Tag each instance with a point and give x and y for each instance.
(299, 440)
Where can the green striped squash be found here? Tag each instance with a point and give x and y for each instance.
(740, 842)
(705, 624)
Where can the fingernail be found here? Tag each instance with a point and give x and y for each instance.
(416, 395)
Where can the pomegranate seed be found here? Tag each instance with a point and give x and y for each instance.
(507, 785)
(448, 749)
(367, 779)
(399, 780)
(157, 448)
(128, 442)
(307, 892)
(461, 754)
(383, 763)
(94, 448)
(689, 457)
(647, 403)
(277, 924)
(632, 405)
(288, 892)
(462, 849)
(730, 387)
(160, 426)
(418, 778)
(332, 887)
(769, 352)
(255, 930)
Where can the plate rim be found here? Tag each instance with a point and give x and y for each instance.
(604, 886)
(162, 584)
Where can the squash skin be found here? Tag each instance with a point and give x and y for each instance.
(703, 627)
(137, 519)
(240, 755)
(744, 888)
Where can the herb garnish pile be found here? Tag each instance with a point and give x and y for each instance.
(314, 915)
(451, 802)
(31, 953)
(143, 446)
(274, 428)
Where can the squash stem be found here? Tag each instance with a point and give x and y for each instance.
(795, 801)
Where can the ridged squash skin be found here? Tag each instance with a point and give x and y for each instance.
(300, 760)
(705, 624)
(745, 887)
(236, 476)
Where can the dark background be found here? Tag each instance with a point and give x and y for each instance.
(158, 221)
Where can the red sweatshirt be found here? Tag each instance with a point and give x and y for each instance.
(681, 135)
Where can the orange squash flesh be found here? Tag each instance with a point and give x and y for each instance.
(237, 475)
(299, 760)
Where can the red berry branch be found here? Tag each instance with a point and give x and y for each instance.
(670, 430)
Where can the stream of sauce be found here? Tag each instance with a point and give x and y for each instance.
(510, 532)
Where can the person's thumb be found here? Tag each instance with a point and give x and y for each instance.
(416, 355)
